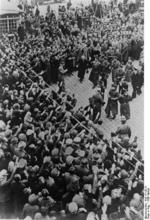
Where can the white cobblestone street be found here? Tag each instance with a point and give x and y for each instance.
(84, 90)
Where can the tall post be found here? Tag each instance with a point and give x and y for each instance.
(92, 3)
(7, 24)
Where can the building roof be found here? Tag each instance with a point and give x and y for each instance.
(9, 7)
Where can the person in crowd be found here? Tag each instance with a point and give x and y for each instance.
(95, 72)
(140, 81)
(124, 104)
(5, 192)
(128, 71)
(134, 81)
(21, 32)
(112, 104)
(61, 72)
(97, 103)
(17, 187)
(137, 82)
(31, 207)
(124, 131)
(82, 67)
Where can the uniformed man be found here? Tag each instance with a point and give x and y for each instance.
(124, 131)
(97, 103)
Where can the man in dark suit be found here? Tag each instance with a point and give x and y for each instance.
(21, 32)
(135, 83)
(97, 103)
(82, 67)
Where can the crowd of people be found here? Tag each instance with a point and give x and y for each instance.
(55, 161)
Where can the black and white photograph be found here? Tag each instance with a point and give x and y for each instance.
(72, 110)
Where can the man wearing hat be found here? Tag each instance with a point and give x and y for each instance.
(97, 103)
(140, 81)
(134, 82)
(124, 131)
(112, 103)
(17, 187)
(61, 73)
(74, 212)
(31, 207)
(124, 104)
(82, 67)
(82, 169)
(95, 72)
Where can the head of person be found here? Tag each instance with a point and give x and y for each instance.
(92, 216)
(3, 177)
(45, 192)
(116, 193)
(72, 208)
(113, 87)
(98, 90)
(38, 216)
(32, 199)
(44, 210)
(123, 119)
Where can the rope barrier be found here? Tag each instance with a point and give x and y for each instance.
(129, 155)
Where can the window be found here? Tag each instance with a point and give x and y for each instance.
(8, 24)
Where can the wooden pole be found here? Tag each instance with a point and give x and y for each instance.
(7, 24)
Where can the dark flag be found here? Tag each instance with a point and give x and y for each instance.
(99, 11)
(37, 12)
(92, 3)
